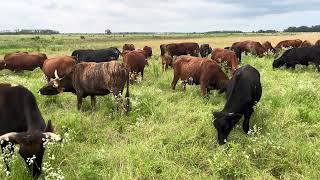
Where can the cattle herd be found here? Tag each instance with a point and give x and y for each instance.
(89, 72)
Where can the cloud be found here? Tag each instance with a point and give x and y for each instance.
(157, 15)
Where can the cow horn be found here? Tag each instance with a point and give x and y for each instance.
(8, 136)
(56, 74)
(53, 136)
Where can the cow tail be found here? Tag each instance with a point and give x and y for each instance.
(127, 99)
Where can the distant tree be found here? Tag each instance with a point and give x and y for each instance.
(303, 29)
(108, 31)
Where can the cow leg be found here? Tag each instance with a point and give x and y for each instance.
(247, 115)
(93, 102)
(184, 84)
(142, 74)
(174, 81)
(79, 101)
(7, 152)
(203, 89)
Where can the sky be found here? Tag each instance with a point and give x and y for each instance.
(95, 16)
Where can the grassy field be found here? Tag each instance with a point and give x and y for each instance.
(169, 134)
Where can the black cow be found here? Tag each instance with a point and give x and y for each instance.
(302, 56)
(100, 55)
(237, 51)
(205, 50)
(243, 92)
(21, 123)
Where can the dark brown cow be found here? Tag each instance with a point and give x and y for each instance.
(224, 55)
(178, 49)
(44, 56)
(135, 61)
(201, 71)
(64, 65)
(252, 47)
(289, 43)
(21, 61)
(166, 61)
(268, 47)
(128, 47)
(162, 49)
(317, 43)
(92, 79)
(306, 43)
(148, 51)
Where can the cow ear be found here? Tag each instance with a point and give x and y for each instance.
(49, 127)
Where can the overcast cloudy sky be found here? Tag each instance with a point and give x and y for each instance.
(94, 16)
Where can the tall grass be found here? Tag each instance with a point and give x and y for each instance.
(169, 134)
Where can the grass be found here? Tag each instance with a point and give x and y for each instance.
(169, 134)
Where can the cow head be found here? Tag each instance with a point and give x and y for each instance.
(31, 145)
(2, 64)
(278, 62)
(57, 85)
(224, 123)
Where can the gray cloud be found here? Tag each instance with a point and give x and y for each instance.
(157, 15)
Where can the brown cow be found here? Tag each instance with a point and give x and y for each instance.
(128, 47)
(201, 71)
(306, 43)
(64, 65)
(224, 55)
(148, 51)
(135, 61)
(252, 47)
(268, 47)
(92, 79)
(44, 56)
(317, 43)
(166, 61)
(178, 49)
(289, 44)
(20, 61)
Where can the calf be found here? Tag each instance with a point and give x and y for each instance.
(302, 56)
(91, 79)
(135, 61)
(205, 50)
(21, 61)
(223, 55)
(21, 123)
(64, 65)
(243, 92)
(201, 71)
(167, 61)
(148, 51)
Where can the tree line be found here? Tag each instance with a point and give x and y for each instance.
(303, 29)
(29, 31)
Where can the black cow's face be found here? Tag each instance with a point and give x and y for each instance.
(278, 63)
(32, 146)
(224, 123)
(58, 85)
(49, 89)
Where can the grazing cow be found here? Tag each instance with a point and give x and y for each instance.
(205, 50)
(166, 61)
(128, 47)
(64, 65)
(178, 49)
(148, 51)
(135, 61)
(268, 47)
(21, 123)
(100, 55)
(91, 79)
(201, 71)
(289, 44)
(252, 47)
(236, 50)
(306, 43)
(302, 56)
(317, 43)
(243, 92)
(21, 61)
(224, 55)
